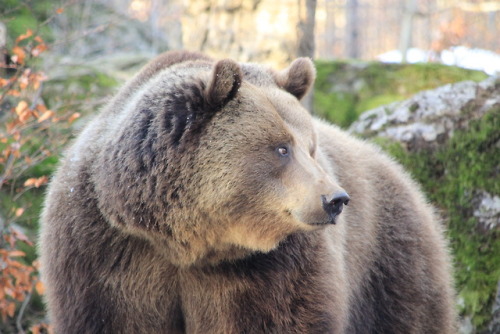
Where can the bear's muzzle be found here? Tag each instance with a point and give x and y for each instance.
(334, 206)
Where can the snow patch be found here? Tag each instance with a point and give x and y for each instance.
(461, 56)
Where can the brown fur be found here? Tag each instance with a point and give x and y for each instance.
(175, 212)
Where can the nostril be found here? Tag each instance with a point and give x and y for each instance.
(340, 197)
(334, 206)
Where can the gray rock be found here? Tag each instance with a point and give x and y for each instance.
(487, 211)
(430, 117)
(427, 121)
(494, 326)
(466, 326)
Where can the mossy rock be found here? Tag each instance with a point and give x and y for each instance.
(345, 89)
(452, 176)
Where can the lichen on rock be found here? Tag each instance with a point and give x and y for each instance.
(429, 118)
(487, 211)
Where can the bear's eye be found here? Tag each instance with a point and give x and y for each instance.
(283, 151)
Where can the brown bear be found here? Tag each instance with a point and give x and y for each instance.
(204, 199)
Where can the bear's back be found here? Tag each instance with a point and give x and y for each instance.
(390, 231)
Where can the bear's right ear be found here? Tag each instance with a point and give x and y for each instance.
(224, 84)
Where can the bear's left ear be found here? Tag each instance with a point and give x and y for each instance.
(224, 83)
(298, 78)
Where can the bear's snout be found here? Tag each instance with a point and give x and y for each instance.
(334, 205)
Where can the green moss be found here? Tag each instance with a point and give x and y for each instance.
(324, 69)
(343, 90)
(373, 102)
(106, 80)
(45, 167)
(337, 107)
(94, 80)
(80, 87)
(431, 75)
(31, 201)
(22, 15)
(451, 177)
(18, 25)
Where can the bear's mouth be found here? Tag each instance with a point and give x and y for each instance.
(319, 220)
(332, 220)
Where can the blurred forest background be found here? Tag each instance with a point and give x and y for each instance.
(419, 77)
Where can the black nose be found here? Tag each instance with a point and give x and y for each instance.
(335, 205)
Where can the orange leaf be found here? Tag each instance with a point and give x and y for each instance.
(23, 111)
(41, 181)
(19, 212)
(16, 253)
(30, 182)
(40, 288)
(14, 92)
(21, 107)
(25, 115)
(6, 152)
(42, 328)
(20, 236)
(36, 182)
(73, 117)
(28, 34)
(19, 295)
(23, 82)
(36, 329)
(41, 107)
(35, 82)
(46, 115)
(37, 50)
(19, 53)
(11, 308)
(41, 76)
(4, 82)
(9, 288)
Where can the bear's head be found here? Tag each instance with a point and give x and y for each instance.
(215, 160)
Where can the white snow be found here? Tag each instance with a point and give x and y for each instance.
(461, 56)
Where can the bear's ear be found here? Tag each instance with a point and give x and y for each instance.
(224, 83)
(298, 78)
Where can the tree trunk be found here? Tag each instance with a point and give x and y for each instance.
(306, 31)
(352, 29)
(306, 42)
(407, 28)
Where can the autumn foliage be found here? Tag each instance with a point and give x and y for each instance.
(29, 133)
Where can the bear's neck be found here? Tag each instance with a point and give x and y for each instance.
(184, 254)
